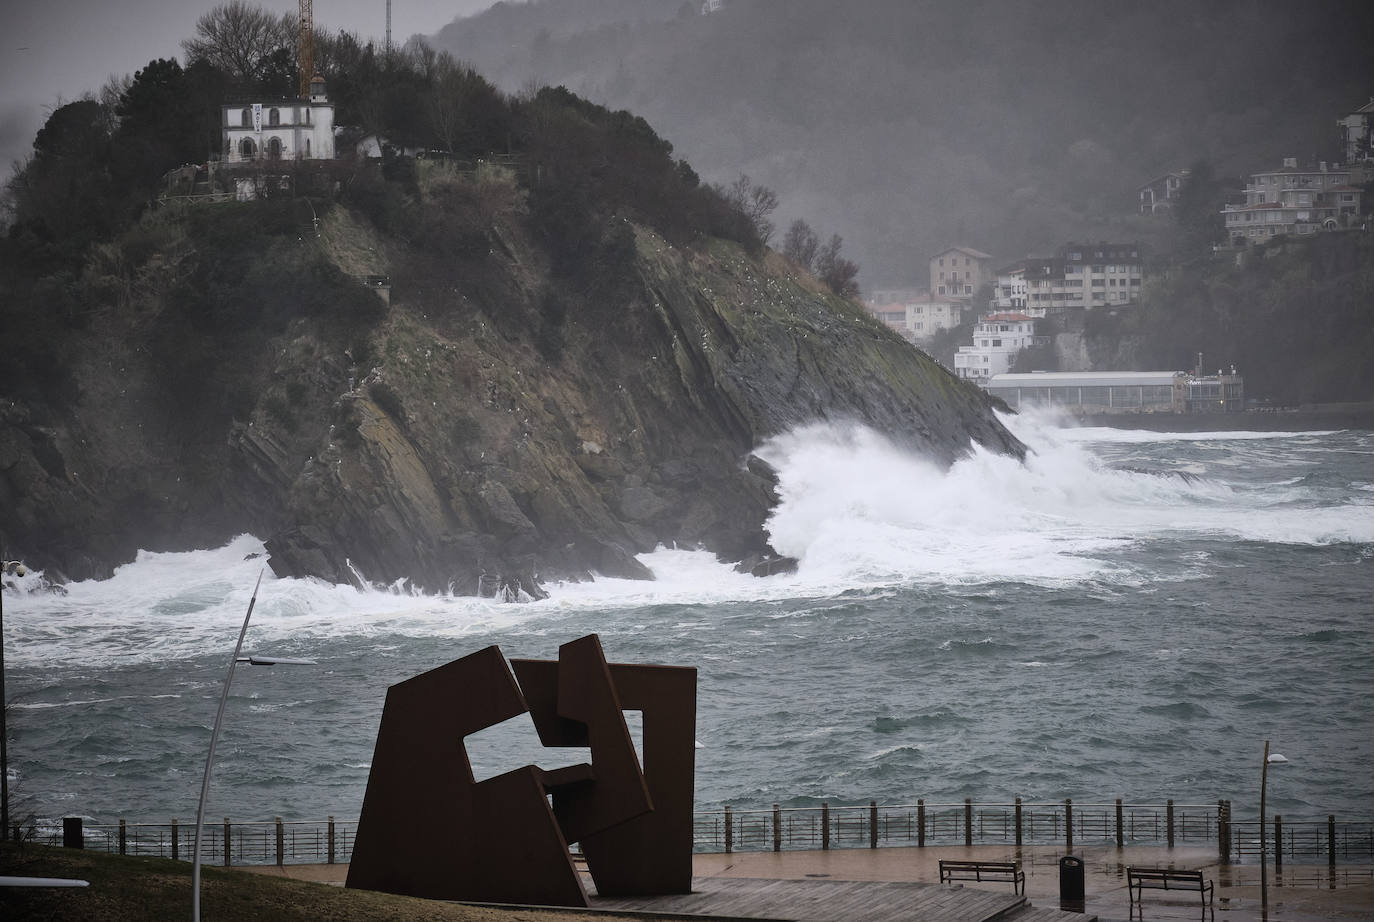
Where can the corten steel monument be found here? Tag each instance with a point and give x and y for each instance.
(429, 829)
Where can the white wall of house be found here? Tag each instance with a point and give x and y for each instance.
(996, 341)
(280, 130)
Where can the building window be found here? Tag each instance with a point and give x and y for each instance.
(968, 289)
(942, 262)
(246, 118)
(942, 289)
(247, 149)
(307, 148)
(274, 117)
(997, 342)
(274, 148)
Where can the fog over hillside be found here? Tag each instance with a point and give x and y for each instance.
(907, 126)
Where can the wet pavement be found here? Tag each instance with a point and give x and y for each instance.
(1295, 894)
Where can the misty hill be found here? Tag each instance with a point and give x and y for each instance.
(583, 346)
(907, 126)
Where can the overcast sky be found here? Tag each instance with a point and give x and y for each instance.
(53, 51)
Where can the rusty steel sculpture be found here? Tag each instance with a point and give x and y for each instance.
(501, 840)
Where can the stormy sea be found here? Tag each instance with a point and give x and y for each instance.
(1127, 614)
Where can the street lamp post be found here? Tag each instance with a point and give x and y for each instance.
(1264, 847)
(6, 567)
(214, 737)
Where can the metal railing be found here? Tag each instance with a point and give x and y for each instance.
(1305, 842)
(967, 823)
(825, 826)
(226, 843)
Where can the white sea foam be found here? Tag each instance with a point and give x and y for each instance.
(860, 514)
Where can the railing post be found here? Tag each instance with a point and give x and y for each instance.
(226, 841)
(1331, 840)
(176, 851)
(872, 824)
(1018, 822)
(825, 825)
(1068, 823)
(330, 847)
(1278, 841)
(729, 831)
(123, 839)
(777, 828)
(1169, 822)
(281, 843)
(1120, 830)
(1224, 830)
(968, 821)
(920, 822)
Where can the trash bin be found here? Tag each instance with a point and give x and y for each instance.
(1070, 879)
(72, 836)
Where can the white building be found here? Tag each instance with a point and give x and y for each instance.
(1293, 200)
(284, 129)
(918, 316)
(996, 341)
(1122, 391)
(1009, 291)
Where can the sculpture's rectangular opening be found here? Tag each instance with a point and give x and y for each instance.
(514, 744)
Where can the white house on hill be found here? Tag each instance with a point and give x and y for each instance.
(283, 129)
(996, 341)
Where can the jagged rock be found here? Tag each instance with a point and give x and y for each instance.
(766, 565)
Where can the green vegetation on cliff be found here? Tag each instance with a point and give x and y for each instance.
(1295, 316)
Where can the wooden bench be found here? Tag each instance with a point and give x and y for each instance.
(985, 870)
(1140, 879)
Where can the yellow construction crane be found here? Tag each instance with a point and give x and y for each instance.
(307, 48)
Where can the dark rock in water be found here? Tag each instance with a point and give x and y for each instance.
(767, 565)
(472, 437)
(306, 551)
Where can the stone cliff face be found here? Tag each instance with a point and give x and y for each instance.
(481, 435)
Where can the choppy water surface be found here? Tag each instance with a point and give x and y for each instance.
(1076, 626)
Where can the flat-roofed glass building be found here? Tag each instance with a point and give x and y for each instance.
(1120, 391)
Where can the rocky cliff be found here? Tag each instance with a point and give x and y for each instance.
(497, 424)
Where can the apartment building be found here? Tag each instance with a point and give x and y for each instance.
(1293, 200)
(918, 316)
(996, 341)
(1084, 275)
(959, 272)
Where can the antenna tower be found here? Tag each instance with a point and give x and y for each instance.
(307, 47)
(388, 29)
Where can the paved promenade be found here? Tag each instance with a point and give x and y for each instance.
(1299, 894)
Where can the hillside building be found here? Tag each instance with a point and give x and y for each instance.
(996, 341)
(959, 272)
(1085, 275)
(1357, 131)
(1009, 290)
(918, 316)
(1293, 200)
(279, 130)
(1159, 194)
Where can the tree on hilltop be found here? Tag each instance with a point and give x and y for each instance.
(241, 39)
(800, 244)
